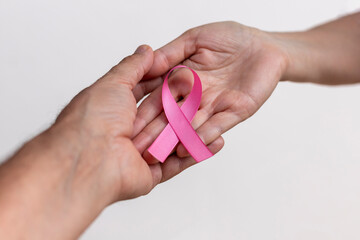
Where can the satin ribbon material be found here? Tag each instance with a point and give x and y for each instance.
(179, 127)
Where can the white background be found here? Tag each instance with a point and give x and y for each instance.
(289, 172)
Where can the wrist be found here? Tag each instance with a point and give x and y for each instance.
(302, 56)
(327, 54)
(273, 47)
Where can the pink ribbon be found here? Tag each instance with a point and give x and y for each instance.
(179, 127)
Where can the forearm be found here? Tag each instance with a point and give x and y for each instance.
(327, 54)
(40, 195)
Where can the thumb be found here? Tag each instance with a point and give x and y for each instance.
(132, 68)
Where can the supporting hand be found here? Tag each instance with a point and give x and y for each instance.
(239, 68)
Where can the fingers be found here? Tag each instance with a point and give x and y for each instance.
(152, 131)
(132, 68)
(180, 84)
(173, 53)
(145, 87)
(174, 165)
(227, 108)
(148, 110)
(146, 137)
(201, 116)
(212, 129)
(149, 122)
(156, 173)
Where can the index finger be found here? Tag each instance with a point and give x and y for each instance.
(173, 53)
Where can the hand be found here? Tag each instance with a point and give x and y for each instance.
(66, 176)
(103, 115)
(239, 68)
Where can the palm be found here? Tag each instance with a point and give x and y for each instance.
(115, 111)
(104, 116)
(239, 69)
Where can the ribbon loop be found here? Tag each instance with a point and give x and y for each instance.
(179, 127)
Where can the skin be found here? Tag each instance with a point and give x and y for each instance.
(67, 175)
(240, 67)
(95, 152)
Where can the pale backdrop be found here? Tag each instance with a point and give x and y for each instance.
(289, 172)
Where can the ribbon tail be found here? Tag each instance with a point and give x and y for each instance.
(164, 144)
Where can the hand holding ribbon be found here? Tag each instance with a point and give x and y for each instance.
(179, 127)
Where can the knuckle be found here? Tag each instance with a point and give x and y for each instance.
(164, 61)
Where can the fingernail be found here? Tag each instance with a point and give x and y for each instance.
(141, 49)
